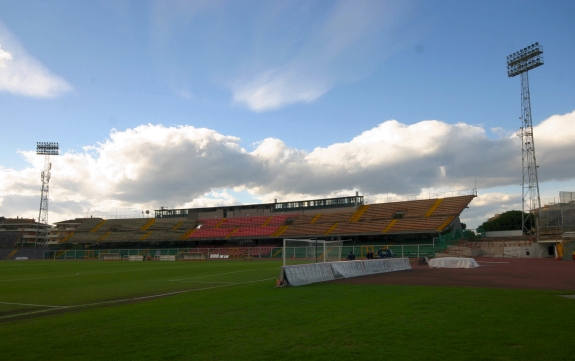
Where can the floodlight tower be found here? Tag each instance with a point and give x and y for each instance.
(46, 149)
(521, 62)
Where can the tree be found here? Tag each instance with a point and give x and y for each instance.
(508, 221)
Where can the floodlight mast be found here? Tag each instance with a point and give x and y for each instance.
(46, 149)
(521, 62)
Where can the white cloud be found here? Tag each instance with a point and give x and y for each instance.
(276, 88)
(21, 74)
(4, 58)
(152, 165)
(344, 44)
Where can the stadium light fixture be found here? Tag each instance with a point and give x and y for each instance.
(519, 63)
(47, 148)
(525, 59)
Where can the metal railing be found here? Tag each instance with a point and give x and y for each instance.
(412, 251)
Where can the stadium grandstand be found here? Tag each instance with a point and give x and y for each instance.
(265, 225)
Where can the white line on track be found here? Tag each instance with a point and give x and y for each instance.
(490, 262)
(137, 298)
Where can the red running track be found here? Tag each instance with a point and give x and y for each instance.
(521, 273)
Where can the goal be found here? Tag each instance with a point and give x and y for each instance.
(191, 256)
(299, 251)
(110, 257)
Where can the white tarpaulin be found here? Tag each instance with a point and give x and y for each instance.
(453, 262)
(298, 275)
(386, 265)
(347, 269)
(303, 274)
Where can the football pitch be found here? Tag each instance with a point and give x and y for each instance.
(231, 310)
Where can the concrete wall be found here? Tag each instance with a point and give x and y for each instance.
(541, 250)
(504, 234)
(492, 252)
(517, 252)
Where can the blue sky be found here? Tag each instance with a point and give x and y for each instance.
(287, 88)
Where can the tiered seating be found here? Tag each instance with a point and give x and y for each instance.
(210, 222)
(411, 209)
(453, 205)
(244, 232)
(360, 227)
(430, 215)
(167, 230)
(211, 232)
(88, 224)
(417, 224)
(279, 220)
(331, 218)
(8, 239)
(4, 253)
(420, 216)
(244, 221)
(303, 219)
(85, 237)
(308, 230)
(123, 225)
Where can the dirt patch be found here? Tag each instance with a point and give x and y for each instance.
(519, 273)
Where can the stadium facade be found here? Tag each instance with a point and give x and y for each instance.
(346, 218)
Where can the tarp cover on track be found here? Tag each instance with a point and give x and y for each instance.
(304, 274)
(453, 262)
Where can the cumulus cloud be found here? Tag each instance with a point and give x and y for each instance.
(153, 165)
(21, 74)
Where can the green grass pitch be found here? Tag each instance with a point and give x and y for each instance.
(230, 310)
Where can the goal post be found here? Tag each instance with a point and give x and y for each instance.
(191, 256)
(110, 257)
(299, 251)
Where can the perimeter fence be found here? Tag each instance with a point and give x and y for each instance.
(411, 251)
(442, 242)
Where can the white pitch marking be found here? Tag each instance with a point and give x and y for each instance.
(171, 293)
(192, 281)
(31, 304)
(25, 314)
(140, 298)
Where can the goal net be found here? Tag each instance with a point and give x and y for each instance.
(191, 256)
(299, 251)
(110, 257)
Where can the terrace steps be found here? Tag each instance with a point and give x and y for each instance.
(98, 225)
(389, 226)
(357, 215)
(11, 254)
(67, 237)
(148, 224)
(434, 207)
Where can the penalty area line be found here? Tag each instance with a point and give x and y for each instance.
(135, 298)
